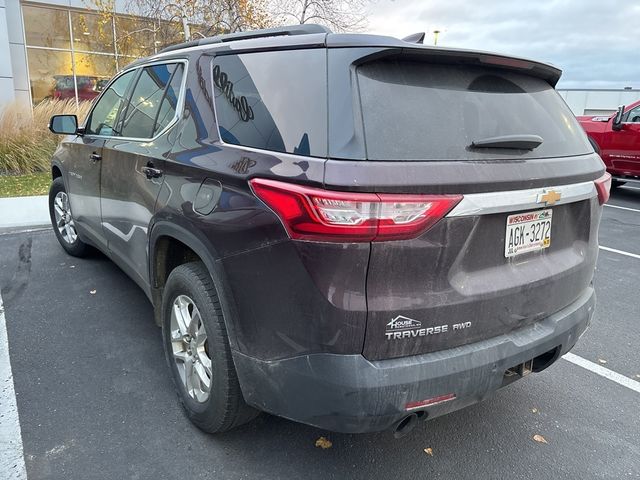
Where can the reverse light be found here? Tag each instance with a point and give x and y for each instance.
(430, 402)
(324, 215)
(603, 186)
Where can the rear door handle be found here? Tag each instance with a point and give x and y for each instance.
(151, 172)
(95, 157)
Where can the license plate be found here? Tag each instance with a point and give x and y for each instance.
(527, 232)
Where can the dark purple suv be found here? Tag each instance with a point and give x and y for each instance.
(349, 231)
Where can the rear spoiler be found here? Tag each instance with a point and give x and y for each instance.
(545, 71)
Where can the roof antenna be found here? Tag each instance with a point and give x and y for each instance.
(415, 38)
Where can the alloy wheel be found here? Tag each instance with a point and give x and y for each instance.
(64, 221)
(190, 348)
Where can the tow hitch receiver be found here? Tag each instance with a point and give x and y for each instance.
(517, 372)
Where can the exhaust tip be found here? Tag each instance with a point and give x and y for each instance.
(404, 426)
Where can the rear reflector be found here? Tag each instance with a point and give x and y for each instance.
(327, 216)
(603, 185)
(430, 401)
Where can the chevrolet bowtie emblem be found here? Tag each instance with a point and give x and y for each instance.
(549, 197)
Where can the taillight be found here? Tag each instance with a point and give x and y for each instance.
(603, 186)
(324, 215)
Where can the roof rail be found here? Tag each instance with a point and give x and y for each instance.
(304, 29)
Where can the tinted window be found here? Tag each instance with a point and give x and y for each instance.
(104, 113)
(144, 105)
(170, 101)
(634, 115)
(273, 100)
(420, 111)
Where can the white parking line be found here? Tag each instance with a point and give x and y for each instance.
(11, 456)
(622, 208)
(603, 372)
(621, 252)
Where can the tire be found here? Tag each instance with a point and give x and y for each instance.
(190, 297)
(617, 183)
(62, 220)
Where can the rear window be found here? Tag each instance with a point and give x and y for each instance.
(420, 111)
(273, 100)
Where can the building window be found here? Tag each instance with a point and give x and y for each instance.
(135, 37)
(72, 54)
(92, 32)
(46, 27)
(50, 74)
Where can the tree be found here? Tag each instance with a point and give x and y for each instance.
(148, 25)
(203, 17)
(339, 15)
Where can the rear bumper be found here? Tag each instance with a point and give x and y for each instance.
(348, 393)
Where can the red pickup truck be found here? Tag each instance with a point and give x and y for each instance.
(617, 139)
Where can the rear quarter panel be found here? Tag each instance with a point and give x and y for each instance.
(283, 298)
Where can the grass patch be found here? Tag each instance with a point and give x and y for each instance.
(25, 185)
(26, 144)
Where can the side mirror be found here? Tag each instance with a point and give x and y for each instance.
(64, 124)
(617, 120)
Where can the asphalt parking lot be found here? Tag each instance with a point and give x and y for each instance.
(95, 399)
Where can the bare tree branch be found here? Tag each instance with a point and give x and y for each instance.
(339, 15)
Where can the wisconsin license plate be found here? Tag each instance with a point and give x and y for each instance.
(527, 232)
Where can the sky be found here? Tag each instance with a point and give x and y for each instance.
(596, 43)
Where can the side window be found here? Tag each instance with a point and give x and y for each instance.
(634, 115)
(144, 105)
(169, 103)
(273, 100)
(104, 113)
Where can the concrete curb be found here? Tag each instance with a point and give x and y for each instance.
(18, 212)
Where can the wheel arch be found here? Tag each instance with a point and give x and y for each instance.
(164, 235)
(56, 171)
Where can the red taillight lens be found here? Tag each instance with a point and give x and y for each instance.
(603, 185)
(323, 215)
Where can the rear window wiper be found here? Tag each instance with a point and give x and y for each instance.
(521, 142)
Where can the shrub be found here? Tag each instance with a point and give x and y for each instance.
(26, 144)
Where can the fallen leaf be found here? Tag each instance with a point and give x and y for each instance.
(601, 360)
(540, 439)
(92, 292)
(534, 410)
(323, 443)
(429, 451)
(72, 266)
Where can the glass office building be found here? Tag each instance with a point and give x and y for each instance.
(59, 52)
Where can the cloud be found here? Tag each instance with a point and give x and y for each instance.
(595, 43)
